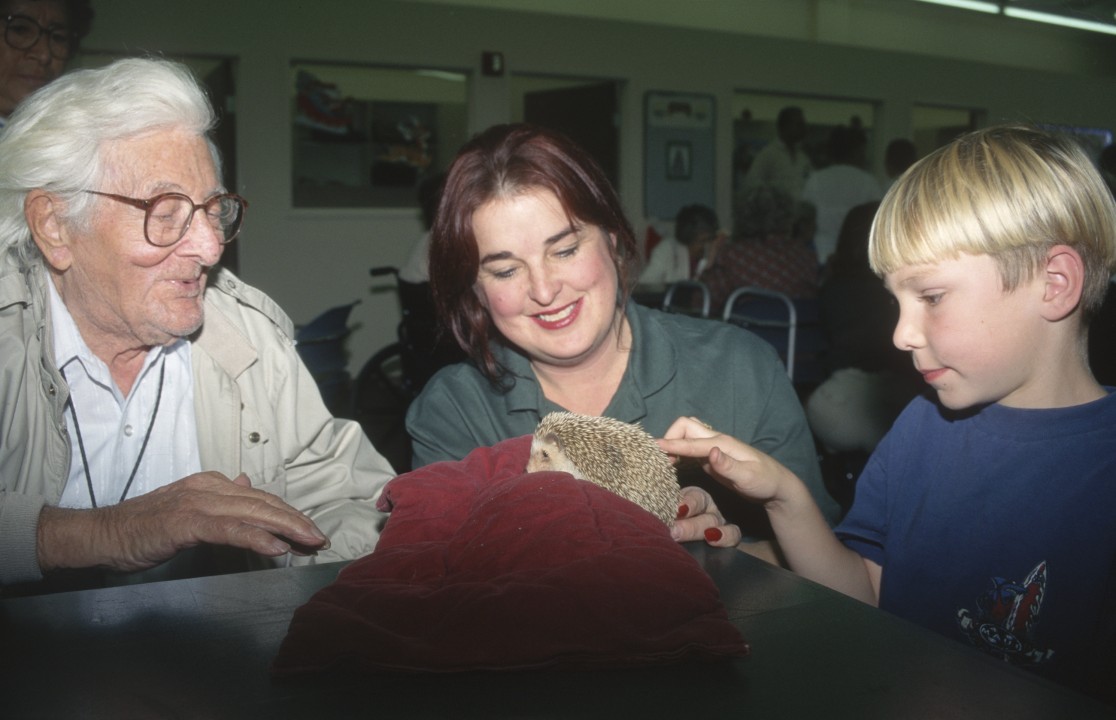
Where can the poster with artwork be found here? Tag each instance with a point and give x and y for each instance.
(678, 157)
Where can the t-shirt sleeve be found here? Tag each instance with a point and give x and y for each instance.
(862, 529)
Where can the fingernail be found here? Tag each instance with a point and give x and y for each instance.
(683, 511)
(713, 534)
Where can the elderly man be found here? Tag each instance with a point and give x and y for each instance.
(151, 403)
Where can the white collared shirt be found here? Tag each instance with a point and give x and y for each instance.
(113, 427)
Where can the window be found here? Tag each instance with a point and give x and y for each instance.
(934, 126)
(366, 136)
(754, 116)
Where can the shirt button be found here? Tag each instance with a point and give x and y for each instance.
(253, 437)
(127, 431)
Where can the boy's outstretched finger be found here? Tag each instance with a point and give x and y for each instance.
(689, 427)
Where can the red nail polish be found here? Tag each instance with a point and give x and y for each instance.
(683, 511)
(713, 534)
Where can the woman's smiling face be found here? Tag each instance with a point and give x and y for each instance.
(549, 283)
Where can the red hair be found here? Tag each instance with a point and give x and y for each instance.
(502, 161)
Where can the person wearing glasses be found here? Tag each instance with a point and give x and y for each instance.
(154, 415)
(39, 38)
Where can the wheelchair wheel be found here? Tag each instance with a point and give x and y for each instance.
(380, 401)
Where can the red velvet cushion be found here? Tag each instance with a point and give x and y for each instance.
(483, 566)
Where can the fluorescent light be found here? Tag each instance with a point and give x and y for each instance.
(988, 7)
(1058, 20)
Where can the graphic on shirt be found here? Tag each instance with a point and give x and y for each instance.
(1006, 618)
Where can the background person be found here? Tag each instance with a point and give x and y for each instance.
(149, 402)
(871, 380)
(764, 252)
(840, 186)
(40, 36)
(783, 162)
(697, 232)
(529, 261)
(900, 154)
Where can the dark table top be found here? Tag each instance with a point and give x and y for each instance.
(201, 649)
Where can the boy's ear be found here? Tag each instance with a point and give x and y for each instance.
(43, 213)
(1064, 278)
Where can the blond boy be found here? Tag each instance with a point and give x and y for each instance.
(989, 515)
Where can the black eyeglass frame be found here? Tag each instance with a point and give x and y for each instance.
(55, 37)
(149, 204)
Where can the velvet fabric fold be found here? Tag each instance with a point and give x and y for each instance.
(483, 566)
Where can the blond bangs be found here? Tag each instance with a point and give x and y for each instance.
(1008, 192)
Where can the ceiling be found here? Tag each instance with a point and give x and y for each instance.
(1096, 10)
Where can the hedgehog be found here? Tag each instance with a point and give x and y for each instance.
(615, 455)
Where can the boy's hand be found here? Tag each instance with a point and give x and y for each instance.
(755, 475)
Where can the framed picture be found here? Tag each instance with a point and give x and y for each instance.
(678, 156)
(367, 136)
(679, 160)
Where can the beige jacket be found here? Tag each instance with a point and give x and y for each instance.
(259, 412)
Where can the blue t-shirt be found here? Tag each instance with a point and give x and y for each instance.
(997, 527)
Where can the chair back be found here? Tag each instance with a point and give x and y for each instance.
(811, 345)
(687, 297)
(769, 314)
(321, 345)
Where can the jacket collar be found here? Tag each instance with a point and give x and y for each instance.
(219, 337)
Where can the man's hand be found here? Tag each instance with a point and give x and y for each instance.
(146, 530)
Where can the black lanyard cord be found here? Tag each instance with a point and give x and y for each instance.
(143, 448)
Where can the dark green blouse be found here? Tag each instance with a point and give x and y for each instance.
(679, 365)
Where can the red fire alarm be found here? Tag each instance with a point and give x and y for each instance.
(492, 64)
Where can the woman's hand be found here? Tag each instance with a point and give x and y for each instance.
(755, 475)
(699, 518)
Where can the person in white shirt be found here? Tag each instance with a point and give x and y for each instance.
(684, 256)
(783, 162)
(836, 189)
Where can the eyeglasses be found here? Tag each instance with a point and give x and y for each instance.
(21, 32)
(168, 216)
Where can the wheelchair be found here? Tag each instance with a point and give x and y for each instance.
(395, 375)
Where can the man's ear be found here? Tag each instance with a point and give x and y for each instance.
(43, 212)
(1064, 278)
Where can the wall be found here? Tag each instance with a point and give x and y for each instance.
(309, 260)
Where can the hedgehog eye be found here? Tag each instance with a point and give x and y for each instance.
(546, 455)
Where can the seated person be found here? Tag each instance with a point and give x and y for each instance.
(899, 155)
(987, 515)
(152, 402)
(683, 257)
(428, 346)
(764, 251)
(841, 186)
(40, 36)
(529, 263)
(871, 380)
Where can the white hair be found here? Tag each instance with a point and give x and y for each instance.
(55, 137)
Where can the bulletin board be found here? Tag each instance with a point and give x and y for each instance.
(678, 152)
